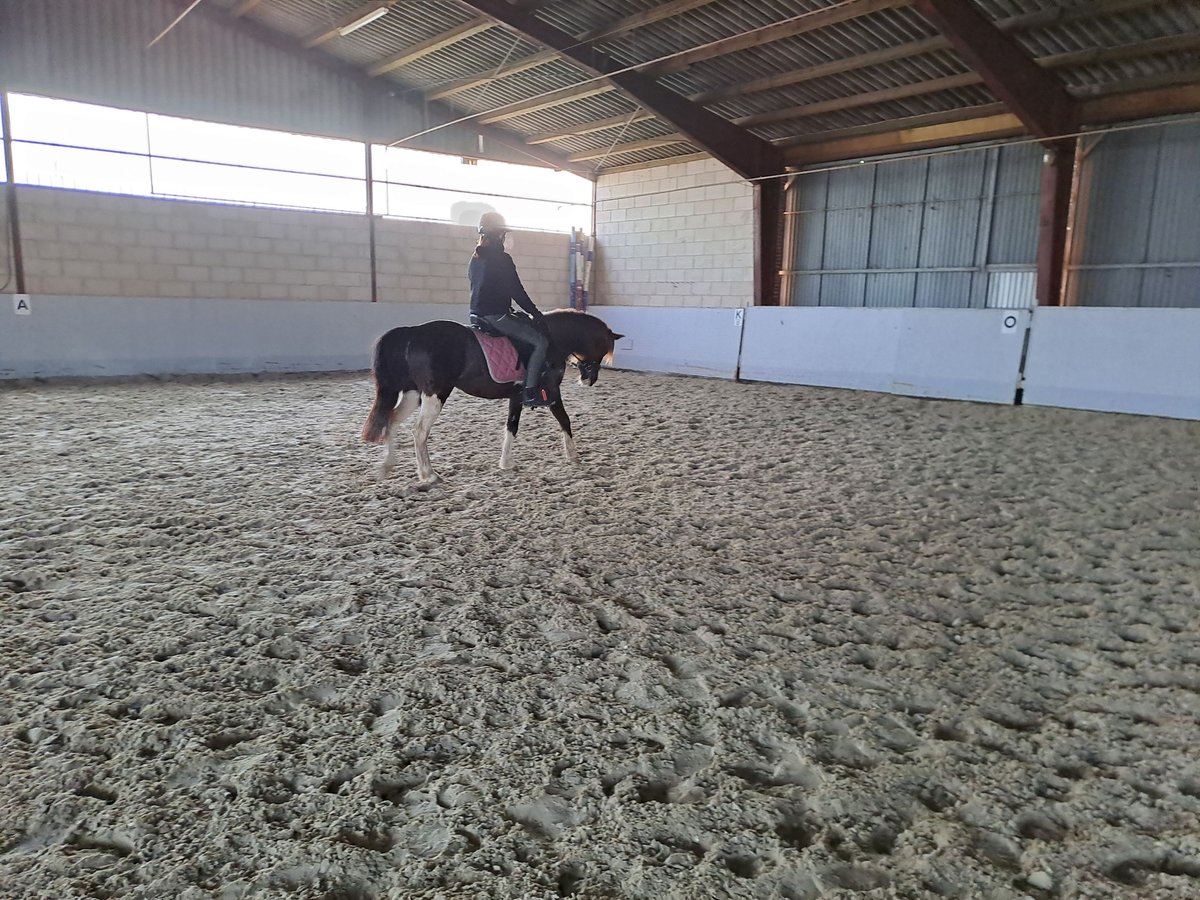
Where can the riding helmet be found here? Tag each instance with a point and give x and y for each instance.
(492, 223)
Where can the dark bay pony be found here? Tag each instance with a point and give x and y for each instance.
(421, 365)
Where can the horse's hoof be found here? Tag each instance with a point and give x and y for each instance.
(427, 483)
(384, 473)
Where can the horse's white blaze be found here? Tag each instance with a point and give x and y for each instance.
(408, 402)
(506, 450)
(430, 408)
(569, 448)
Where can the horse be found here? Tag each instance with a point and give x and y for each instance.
(421, 365)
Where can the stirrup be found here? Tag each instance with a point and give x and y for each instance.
(535, 397)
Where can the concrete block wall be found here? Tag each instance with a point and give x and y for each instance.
(84, 243)
(426, 262)
(676, 235)
(80, 243)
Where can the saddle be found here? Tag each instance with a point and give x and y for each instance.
(503, 360)
(506, 360)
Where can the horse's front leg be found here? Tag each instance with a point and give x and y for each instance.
(564, 422)
(431, 406)
(510, 431)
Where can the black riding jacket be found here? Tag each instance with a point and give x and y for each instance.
(495, 285)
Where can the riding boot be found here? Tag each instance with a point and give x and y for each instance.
(536, 396)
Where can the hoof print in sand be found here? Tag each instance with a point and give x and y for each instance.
(547, 818)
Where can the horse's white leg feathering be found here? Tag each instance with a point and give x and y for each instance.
(408, 402)
(569, 448)
(506, 449)
(430, 408)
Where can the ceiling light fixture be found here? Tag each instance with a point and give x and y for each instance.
(372, 13)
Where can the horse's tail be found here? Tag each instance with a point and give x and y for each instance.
(390, 368)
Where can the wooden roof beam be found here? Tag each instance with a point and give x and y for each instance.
(1168, 44)
(653, 143)
(547, 101)
(621, 26)
(887, 126)
(446, 39)
(958, 126)
(748, 155)
(331, 30)
(983, 123)
(870, 98)
(778, 31)
(1024, 22)
(1035, 96)
(432, 45)
(591, 127)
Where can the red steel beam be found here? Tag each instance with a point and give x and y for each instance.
(1035, 96)
(1058, 179)
(768, 240)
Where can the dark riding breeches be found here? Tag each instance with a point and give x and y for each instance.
(522, 329)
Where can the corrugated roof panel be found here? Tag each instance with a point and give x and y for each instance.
(552, 76)
(701, 26)
(637, 131)
(479, 55)
(838, 42)
(1087, 78)
(625, 159)
(412, 21)
(602, 106)
(710, 22)
(1114, 29)
(406, 24)
(300, 18)
(848, 84)
(583, 112)
(100, 56)
(871, 115)
(576, 18)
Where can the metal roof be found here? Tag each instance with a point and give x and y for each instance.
(879, 62)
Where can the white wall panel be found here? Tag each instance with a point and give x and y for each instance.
(683, 341)
(106, 336)
(1143, 361)
(957, 354)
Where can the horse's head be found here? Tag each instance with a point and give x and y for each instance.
(585, 340)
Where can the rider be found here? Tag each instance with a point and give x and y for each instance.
(495, 285)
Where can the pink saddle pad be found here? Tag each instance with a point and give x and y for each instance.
(501, 356)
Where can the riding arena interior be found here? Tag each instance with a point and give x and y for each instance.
(851, 547)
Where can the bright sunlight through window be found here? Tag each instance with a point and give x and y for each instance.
(61, 143)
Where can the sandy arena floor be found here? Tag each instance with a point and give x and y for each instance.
(765, 642)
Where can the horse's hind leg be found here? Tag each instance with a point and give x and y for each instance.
(510, 431)
(431, 406)
(408, 402)
(564, 421)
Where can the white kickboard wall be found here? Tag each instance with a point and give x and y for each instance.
(964, 354)
(681, 341)
(120, 336)
(1144, 361)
